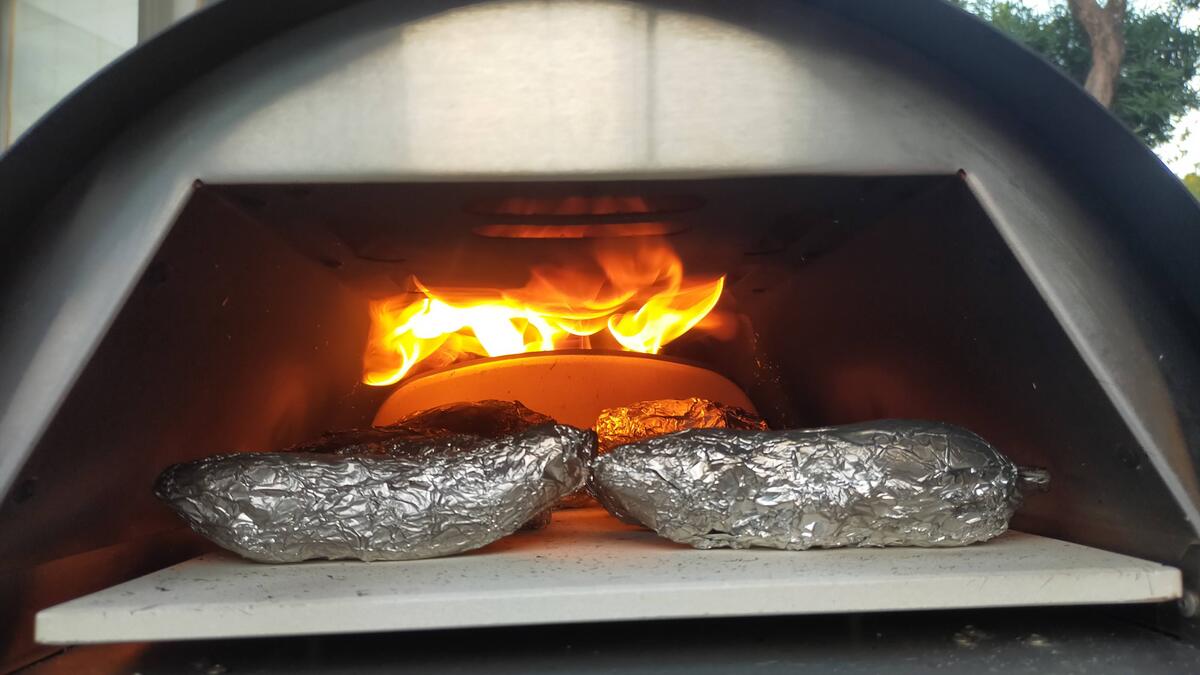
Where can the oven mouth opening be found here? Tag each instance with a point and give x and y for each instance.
(849, 298)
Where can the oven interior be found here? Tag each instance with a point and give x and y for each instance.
(851, 298)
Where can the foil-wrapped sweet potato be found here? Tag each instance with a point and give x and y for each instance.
(438, 483)
(886, 483)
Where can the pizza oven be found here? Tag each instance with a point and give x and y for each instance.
(830, 214)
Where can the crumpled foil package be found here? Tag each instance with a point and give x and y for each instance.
(398, 498)
(885, 483)
(628, 424)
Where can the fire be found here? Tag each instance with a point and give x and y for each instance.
(639, 298)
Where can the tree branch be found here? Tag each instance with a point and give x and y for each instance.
(1105, 28)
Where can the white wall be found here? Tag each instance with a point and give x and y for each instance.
(50, 47)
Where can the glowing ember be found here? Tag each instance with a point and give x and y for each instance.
(639, 298)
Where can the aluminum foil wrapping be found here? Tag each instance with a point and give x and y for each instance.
(293, 506)
(886, 483)
(628, 424)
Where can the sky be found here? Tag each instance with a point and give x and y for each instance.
(1182, 153)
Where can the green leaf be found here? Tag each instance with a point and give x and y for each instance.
(1154, 87)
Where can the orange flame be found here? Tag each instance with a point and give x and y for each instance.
(641, 298)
